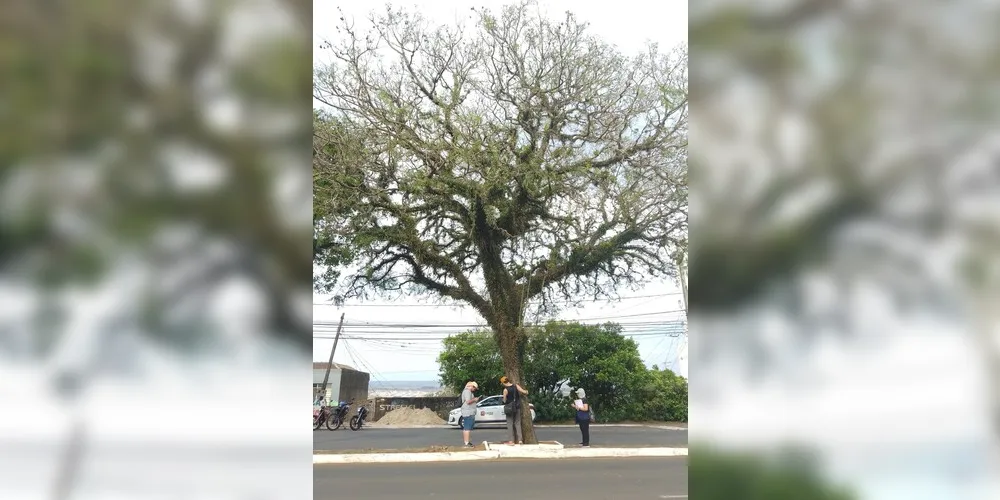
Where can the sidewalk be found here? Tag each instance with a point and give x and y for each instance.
(541, 426)
(495, 451)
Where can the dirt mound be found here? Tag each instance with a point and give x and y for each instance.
(410, 416)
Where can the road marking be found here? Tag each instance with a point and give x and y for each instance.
(673, 496)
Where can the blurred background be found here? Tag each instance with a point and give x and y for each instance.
(844, 290)
(155, 219)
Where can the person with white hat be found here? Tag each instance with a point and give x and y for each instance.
(582, 408)
(469, 401)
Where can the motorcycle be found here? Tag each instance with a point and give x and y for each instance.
(323, 416)
(338, 416)
(358, 420)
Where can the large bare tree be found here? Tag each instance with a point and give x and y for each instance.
(498, 166)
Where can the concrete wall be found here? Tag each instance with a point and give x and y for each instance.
(343, 385)
(318, 374)
(353, 385)
(440, 405)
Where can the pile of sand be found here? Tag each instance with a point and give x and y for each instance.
(410, 416)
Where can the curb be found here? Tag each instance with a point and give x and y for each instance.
(645, 426)
(387, 458)
(495, 454)
(542, 426)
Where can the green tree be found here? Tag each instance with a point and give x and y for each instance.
(665, 397)
(471, 356)
(524, 161)
(595, 357)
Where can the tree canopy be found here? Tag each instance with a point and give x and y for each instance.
(499, 166)
(596, 357)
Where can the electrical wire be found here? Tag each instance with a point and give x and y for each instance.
(634, 297)
(370, 369)
(334, 324)
(401, 340)
(434, 332)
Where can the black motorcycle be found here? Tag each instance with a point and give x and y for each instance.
(338, 416)
(358, 420)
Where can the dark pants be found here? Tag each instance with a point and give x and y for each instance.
(585, 430)
(514, 426)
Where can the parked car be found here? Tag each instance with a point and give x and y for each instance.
(489, 411)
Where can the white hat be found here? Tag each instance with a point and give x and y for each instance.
(581, 393)
(472, 384)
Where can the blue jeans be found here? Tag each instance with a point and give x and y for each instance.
(468, 422)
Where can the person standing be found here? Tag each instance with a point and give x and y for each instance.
(583, 416)
(469, 401)
(512, 403)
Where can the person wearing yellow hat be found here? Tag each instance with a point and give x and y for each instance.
(512, 408)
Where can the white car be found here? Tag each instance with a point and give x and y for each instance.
(488, 411)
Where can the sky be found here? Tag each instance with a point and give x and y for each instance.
(372, 340)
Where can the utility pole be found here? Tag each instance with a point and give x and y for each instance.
(680, 260)
(329, 365)
(682, 278)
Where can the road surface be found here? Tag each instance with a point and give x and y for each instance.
(389, 439)
(583, 479)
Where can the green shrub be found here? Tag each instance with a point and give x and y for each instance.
(663, 398)
(596, 357)
(723, 475)
(552, 407)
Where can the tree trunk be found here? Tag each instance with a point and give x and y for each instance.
(511, 341)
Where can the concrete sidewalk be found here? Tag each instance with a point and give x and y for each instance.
(496, 451)
(376, 426)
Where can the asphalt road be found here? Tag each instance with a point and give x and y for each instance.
(375, 438)
(579, 479)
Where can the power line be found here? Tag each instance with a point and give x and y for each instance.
(482, 325)
(418, 333)
(653, 330)
(446, 332)
(440, 338)
(422, 333)
(371, 370)
(672, 294)
(396, 338)
(368, 326)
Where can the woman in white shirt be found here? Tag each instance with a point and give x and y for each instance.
(582, 408)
